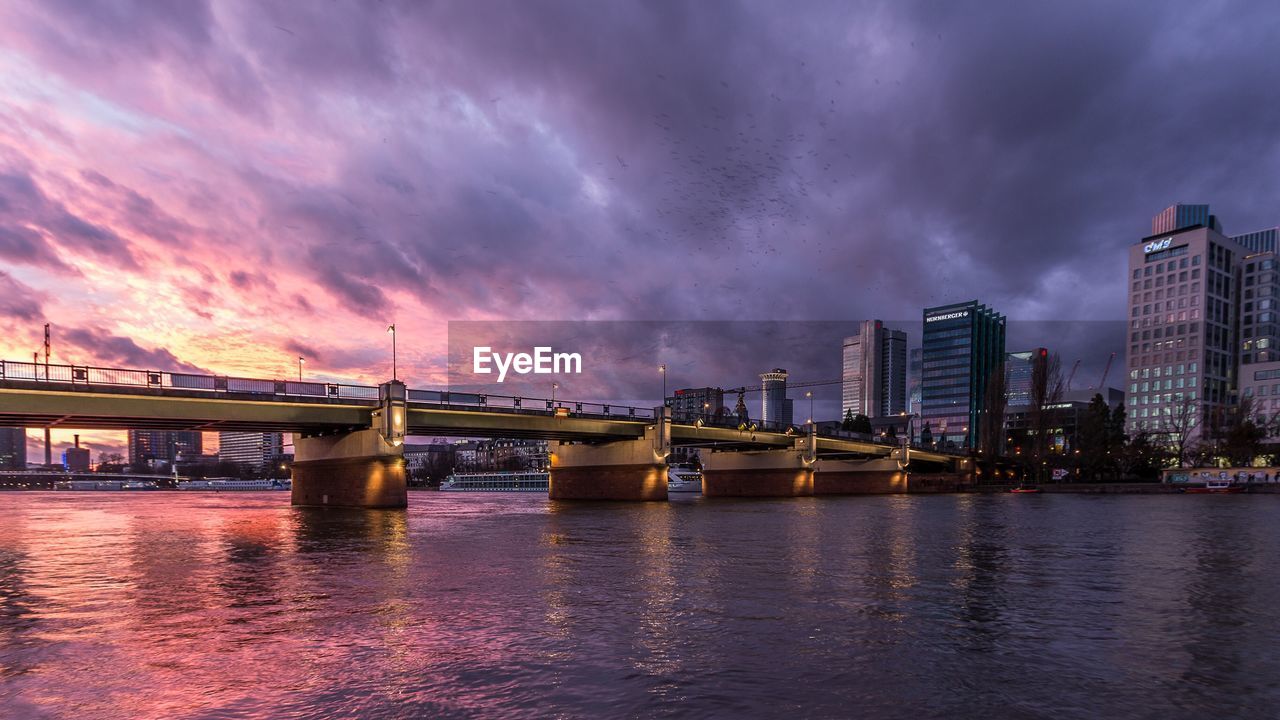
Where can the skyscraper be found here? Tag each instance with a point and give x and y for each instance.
(913, 380)
(1184, 298)
(161, 445)
(13, 449)
(1019, 367)
(962, 346)
(773, 404)
(874, 376)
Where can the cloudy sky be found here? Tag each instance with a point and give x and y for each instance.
(226, 185)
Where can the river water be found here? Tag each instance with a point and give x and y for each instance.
(187, 605)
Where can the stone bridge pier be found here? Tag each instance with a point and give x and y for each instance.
(357, 469)
(761, 473)
(614, 470)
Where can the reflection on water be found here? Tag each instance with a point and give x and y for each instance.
(162, 605)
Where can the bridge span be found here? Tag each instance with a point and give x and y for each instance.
(349, 438)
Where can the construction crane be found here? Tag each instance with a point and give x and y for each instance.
(1070, 377)
(1102, 384)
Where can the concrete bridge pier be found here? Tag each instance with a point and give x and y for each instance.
(357, 469)
(615, 470)
(762, 473)
(858, 477)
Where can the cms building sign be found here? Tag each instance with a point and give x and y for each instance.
(1157, 246)
(947, 316)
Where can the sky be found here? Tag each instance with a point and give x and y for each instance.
(224, 186)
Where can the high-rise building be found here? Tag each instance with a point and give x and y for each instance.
(773, 405)
(913, 380)
(1182, 215)
(962, 347)
(146, 446)
(13, 449)
(1019, 367)
(1260, 291)
(874, 375)
(1184, 302)
(254, 449)
(689, 404)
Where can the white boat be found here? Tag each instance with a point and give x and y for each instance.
(234, 484)
(497, 482)
(683, 480)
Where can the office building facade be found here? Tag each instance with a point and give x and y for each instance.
(253, 449)
(13, 448)
(1259, 293)
(874, 371)
(1019, 369)
(150, 446)
(689, 404)
(1184, 300)
(961, 348)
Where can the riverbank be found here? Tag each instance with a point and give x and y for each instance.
(1119, 488)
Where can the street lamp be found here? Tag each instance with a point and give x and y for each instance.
(554, 385)
(392, 329)
(663, 369)
(300, 361)
(809, 394)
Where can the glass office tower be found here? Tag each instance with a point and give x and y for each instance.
(962, 346)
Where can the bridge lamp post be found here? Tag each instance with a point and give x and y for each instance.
(809, 394)
(554, 385)
(663, 369)
(300, 361)
(392, 329)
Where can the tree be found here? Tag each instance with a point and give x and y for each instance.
(862, 424)
(1140, 457)
(1178, 426)
(847, 423)
(1093, 439)
(1243, 436)
(990, 428)
(1044, 393)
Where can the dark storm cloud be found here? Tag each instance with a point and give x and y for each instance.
(717, 160)
(842, 159)
(17, 300)
(25, 211)
(122, 351)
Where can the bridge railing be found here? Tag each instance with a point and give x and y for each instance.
(89, 375)
(486, 402)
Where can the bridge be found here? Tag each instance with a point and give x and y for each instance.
(348, 439)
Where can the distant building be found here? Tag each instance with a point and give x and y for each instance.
(149, 446)
(1260, 291)
(1192, 299)
(13, 449)
(253, 449)
(962, 346)
(913, 380)
(1019, 368)
(773, 402)
(689, 404)
(76, 458)
(874, 372)
(501, 454)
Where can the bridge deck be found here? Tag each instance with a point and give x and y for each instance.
(26, 402)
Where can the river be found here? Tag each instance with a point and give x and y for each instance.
(189, 605)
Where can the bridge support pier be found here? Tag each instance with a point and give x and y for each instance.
(859, 477)
(761, 473)
(359, 469)
(617, 470)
